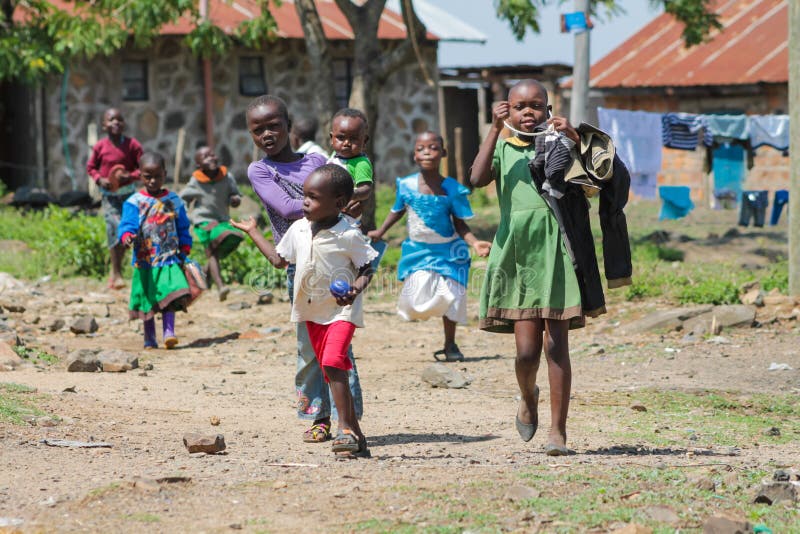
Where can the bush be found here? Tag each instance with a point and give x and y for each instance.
(709, 290)
(777, 277)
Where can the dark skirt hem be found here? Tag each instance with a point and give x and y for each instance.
(176, 301)
(501, 320)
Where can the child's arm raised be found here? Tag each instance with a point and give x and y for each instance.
(481, 172)
(390, 221)
(249, 227)
(481, 248)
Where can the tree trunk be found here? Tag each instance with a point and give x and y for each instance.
(319, 54)
(794, 148)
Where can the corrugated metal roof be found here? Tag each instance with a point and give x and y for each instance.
(443, 24)
(228, 14)
(752, 47)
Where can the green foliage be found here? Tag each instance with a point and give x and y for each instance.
(697, 17)
(17, 401)
(47, 38)
(709, 290)
(63, 243)
(777, 277)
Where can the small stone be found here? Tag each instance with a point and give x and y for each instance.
(54, 325)
(702, 482)
(726, 524)
(279, 484)
(12, 307)
(441, 376)
(662, 514)
(148, 367)
(83, 361)
(521, 493)
(250, 334)
(265, 298)
(46, 421)
(772, 492)
(772, 431)
(215, 421)
(117, 361)
(718, 340)
(781, 475)
(638, 407)
(238, 306)
(754, 297)
(209, 444)
(84, 325)
(9, 360)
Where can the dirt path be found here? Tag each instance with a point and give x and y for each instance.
(457, 449)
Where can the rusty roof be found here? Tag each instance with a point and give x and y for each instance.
(228, 14)
(751, 48)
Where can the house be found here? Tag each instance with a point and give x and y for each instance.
(161, 91)
(744, 68)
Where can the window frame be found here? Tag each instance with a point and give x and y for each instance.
(261, 75)
(143, 80)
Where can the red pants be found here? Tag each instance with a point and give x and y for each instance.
(330, 342)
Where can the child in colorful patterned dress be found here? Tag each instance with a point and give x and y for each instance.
(155, 223)
(531, 289)
(435, 261)
(212, 189)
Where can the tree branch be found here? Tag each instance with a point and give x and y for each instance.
(349, 10)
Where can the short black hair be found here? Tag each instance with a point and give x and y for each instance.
(352, 113)
(152, 158)
(341, 181)
(530, 82)
(270, 100)
(437, 135)
(306, 128)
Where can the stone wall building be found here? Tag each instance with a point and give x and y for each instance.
(160, 90)
(742, 69)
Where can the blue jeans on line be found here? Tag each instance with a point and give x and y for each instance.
(314, 399)
(781, 198)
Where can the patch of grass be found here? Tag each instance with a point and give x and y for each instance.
(680, 419)
(776, 277)
(36, 355)
(709, 291)
(18, 401)
(143, 517)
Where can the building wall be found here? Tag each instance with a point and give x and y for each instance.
(407, 105)
(681, 167)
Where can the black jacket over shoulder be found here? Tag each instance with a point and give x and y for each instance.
(571, 210)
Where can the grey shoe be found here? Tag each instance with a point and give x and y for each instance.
(527, 430)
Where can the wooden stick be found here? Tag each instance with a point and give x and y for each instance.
(458, 147)
(178, 157)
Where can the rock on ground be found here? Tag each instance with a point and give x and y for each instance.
(117, 361)
(440, 376)
(725, 316)
(84, 325)
(726, 524)
(83, 361)
(9, 360)
(772, 492)
(208, 444)
(663, 320)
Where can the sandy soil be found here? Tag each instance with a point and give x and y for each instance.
(231, 366)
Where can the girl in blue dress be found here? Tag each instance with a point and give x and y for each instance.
(435, 257)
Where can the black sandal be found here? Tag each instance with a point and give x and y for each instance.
(452, 355)
(347, 445)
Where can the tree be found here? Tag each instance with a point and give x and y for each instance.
(37, 38)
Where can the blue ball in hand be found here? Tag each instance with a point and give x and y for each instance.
(340, 288)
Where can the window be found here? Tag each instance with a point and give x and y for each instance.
(251, 76)
(134, 80)
(342, 80)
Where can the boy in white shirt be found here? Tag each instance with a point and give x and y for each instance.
(326, 247)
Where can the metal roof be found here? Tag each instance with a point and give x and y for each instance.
(751, 48)
(443, 24)
(228, 14)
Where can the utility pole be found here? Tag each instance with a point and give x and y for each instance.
(579, 101)
(794, 147)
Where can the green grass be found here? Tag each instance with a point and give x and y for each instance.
(143, 517)
(17, 402)
(36, 355)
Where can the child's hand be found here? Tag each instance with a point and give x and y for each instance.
(245, 226)
(501, 112)
(353, 209)
(482, 248)
(347, 299)
(127, 240)
(561, 124)
(235, 201)
(104, 183)
(375, 235)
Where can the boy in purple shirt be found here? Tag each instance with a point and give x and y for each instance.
(278, 180)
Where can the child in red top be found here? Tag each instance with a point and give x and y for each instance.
(114, 166)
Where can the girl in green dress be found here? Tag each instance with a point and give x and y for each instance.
(530, 289)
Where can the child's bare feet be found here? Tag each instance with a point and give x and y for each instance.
(116, 282)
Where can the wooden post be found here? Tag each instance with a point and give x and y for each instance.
(794, 147)
(458, 148)
(176, 176)
(444, 167)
